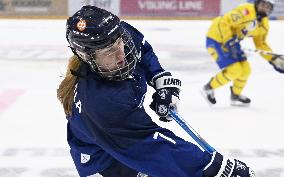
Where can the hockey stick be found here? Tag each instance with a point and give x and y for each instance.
(191, 132)
(264, 52)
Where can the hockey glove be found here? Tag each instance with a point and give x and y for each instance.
(221, 166)
(278, 63)
(234, 48)
(166, 95)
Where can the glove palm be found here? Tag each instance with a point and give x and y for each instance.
(234, 48)
(278, 63)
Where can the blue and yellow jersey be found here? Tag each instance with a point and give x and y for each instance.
(241, 22)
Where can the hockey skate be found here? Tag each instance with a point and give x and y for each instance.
(208, 93)
(239, 100)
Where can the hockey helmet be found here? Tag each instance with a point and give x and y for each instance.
(97, 37)
(269, 3)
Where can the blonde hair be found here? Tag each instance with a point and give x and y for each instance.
(65, 92)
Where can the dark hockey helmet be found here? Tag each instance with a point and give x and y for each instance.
(90, 31)
(261, 14)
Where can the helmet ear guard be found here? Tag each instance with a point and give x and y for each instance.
(91, 29)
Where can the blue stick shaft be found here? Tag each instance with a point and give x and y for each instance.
(191, 132)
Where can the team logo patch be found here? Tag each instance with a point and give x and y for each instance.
(85, 158)
(81, 25)
(245, 11)
(141, 175)
(240, 166)
(162, 109)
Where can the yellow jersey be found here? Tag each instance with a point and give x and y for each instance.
(241, 22)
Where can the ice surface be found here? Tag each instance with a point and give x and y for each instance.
(32, 124)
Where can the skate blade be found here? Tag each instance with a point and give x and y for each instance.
(239, 104)
(204, 95)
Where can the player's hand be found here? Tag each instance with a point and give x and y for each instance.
(234, 48)
(278, 63)
(221, 166)
(166, 95)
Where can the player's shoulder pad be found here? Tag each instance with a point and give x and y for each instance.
(247, 11)
(265, 23)
(248, 6)
(136, 35)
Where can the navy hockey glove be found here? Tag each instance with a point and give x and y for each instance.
(234, 48)
(278, 63)
(221, 166)
(166, 95)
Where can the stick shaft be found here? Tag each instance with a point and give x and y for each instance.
(192, 133)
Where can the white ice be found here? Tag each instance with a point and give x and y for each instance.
(32, 123)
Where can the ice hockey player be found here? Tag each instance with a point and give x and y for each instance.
(223, 44)
(108, 131)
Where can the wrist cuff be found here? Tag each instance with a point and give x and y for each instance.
(161, 74)
(167, 81)
(219, 166)
(214, 165)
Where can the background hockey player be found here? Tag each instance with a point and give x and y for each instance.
(109, 131)
(223, 44)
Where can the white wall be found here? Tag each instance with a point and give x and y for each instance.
(114, 5)
(227, 5)
(111, 5)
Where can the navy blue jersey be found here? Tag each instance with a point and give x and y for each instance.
(109, 123)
